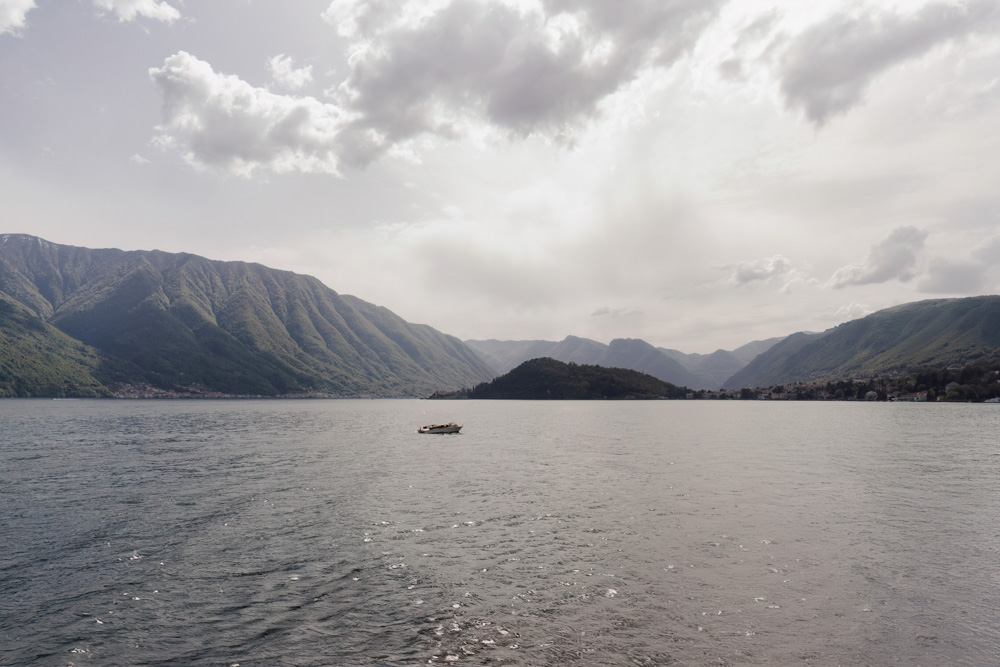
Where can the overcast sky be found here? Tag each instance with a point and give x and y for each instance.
(695, 173)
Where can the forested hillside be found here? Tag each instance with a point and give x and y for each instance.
(933, 334)
(548, 379)
(183, 323)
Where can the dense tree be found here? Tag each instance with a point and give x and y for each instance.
(548, 379)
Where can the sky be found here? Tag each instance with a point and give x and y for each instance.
(695, 173)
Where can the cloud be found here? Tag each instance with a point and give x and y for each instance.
(542, 69)
(12, 15)
(827, 69)
(851, 311)
(128, 10)
(13, 12)
(758, 269)
(287, 76)
(428, 69)
(962, 276)
(607, 311)
(733, 68)
(774, 269)
(953, 277)
(757, 29)
(222, 123)
(366, 18)
(893, 258)
(989, 252)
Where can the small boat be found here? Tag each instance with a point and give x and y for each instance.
(450, 427)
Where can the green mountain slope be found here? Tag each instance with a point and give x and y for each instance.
(775, 366)
(548, 379)
(183, 321)
(934, 333)
(36, 359)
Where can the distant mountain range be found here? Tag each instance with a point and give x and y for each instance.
(82, 322)
(937, 333)
(695, 371)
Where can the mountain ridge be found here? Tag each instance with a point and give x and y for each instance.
(695, 371)
(96, 322)
(912, 336)
(177, 320)
(920, 335)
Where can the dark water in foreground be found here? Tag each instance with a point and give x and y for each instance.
(592, 533)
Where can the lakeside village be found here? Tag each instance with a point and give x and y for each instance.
(976, 383)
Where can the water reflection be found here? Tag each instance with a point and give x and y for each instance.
(329, 532)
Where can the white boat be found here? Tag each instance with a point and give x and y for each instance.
(450, 427)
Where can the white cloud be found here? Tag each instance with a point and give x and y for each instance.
(128, 10)
(827, 69)
(12, 13)
(367, 18)
(776, 269)
(435, 69)
(851, 311)
(607, 311)
(138, 159)
(733, 66)
(542, 68)
(286, 75)
(224, 124)
(891, 259)
(758, 269)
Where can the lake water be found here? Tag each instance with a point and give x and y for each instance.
(549, 533)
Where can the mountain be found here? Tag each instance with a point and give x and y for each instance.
(936, 333)
(504, 355)
(747, 353)
(547, 379)
(36, 359)
(775, 366)
(714, 368)
(697, 371)
(180, 322)
(639, 355)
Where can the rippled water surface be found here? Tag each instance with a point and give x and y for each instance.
(562, 533)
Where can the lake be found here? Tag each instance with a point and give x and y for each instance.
(320, 532)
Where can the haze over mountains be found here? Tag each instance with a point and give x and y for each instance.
(936, 333)
(179, 322)
(695, 371)
(82, 322)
